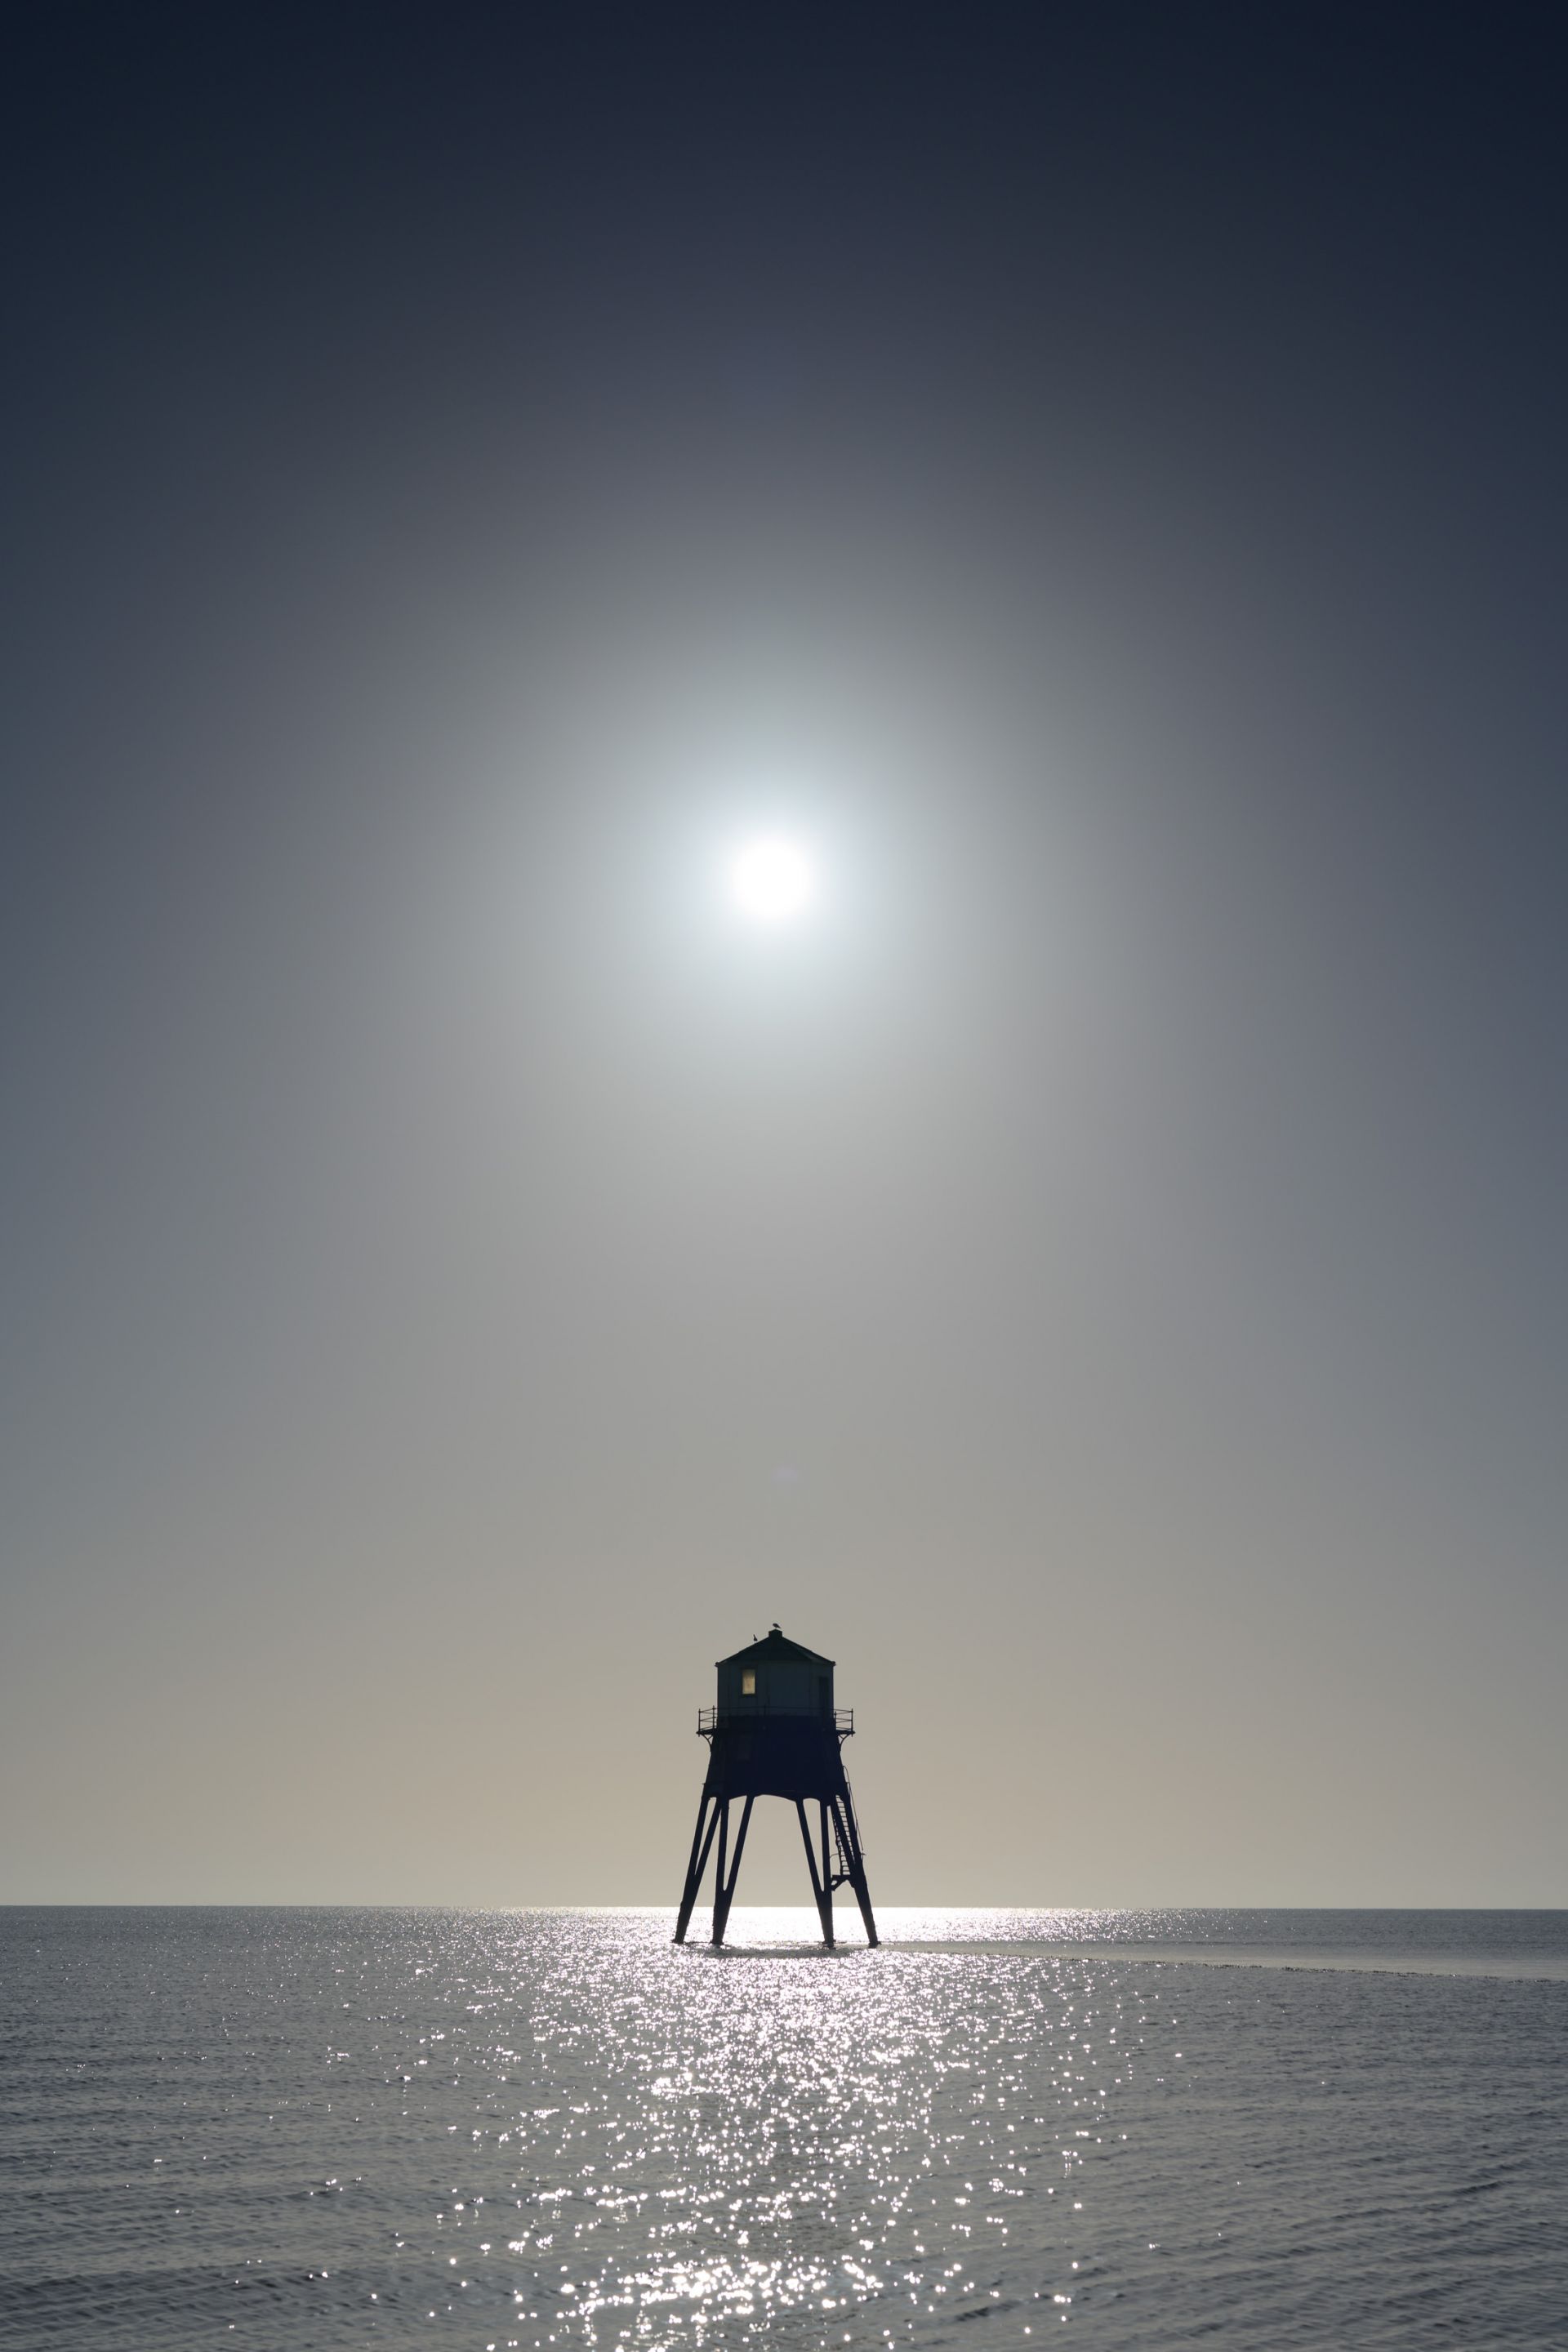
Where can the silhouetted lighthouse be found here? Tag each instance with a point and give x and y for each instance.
(776, 1732)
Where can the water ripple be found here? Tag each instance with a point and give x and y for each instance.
(334, 2129)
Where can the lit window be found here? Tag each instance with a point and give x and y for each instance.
(748, 1682)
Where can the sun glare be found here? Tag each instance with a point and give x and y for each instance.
(771, 880)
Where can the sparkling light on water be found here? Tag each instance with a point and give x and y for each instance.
(535, 2129)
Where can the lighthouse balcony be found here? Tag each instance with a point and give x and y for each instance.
(752, 1711)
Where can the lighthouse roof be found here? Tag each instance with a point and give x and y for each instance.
(774, 1649)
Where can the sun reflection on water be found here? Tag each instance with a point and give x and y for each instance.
(715, 2145)
(502, 2131)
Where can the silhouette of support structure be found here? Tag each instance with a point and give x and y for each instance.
(776, 1733)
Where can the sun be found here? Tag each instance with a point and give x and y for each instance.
(771, 880)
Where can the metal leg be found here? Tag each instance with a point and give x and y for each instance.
(698, 1863)
(828, 1937)
(720, 1866)
(725, 1891)
(820, 1894)
(849, 1845)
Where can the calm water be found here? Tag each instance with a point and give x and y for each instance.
(292, 2130)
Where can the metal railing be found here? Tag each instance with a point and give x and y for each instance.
(731, 1718)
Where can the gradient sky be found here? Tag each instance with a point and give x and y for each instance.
(1099, 472)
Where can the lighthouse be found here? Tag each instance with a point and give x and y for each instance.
(774, 1731)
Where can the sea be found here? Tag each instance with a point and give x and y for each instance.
(312, 2130)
